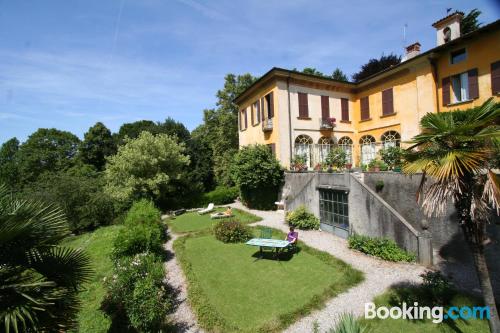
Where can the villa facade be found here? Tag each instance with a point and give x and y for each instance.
(301, 114)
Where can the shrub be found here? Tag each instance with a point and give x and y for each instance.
(380, 247)
(137, 239)
(301, 218)
(258, 175)
(143, 212)
(232, 231)
(337, 157)
(379, 185)
(439, 289)
(220, 196)
(348, 324)
(392, 156)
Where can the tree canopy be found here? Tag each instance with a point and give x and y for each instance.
(374, 66)
(9, 169)
(470, 22)
(97, 144)
(339, 75)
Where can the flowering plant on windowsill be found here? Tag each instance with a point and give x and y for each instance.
(332, 121)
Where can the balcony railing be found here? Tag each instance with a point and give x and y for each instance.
(267, 125)
(326, 123)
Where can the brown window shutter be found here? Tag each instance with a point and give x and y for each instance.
(344, 106)
(446, 90)
(325, 107)
(246, 120)
(303, 106)
(240, 123)
(473, 85)
(387, 102)
(271, 105)
(272, 148)
(252, 113)
(257, 104)
(365, 108)
(495, 77)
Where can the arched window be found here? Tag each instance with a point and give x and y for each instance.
(303, 147)
(325, 141)
(368, 149)
(391, 139)
(325, 145)
(345, 143)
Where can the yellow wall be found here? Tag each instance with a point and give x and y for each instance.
(481, 52)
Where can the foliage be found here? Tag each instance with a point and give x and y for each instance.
(200, 151)
(97, 144)
(303, 219)
(339, 75)
(139, 238)
(258, 174)
(376, 163)
(133, 130)
(137, 288)
(39, 278)
(337, 157)
(220, 196)
(379, 185)
(347, 323)
(221, 126)
(226, 294)
(374, 66)
(145, 167)
(79, 192)
(232, 231)
(383, 248)
(9, 166)
(143, 212)
(469, 22)
(392, 156)
(46, 150)
(438, 287)
(299, 162)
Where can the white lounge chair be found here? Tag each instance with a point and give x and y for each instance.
(207, 210)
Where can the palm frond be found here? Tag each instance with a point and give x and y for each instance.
(491, 193)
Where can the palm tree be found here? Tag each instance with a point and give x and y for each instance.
(458, 151)
(39, 279)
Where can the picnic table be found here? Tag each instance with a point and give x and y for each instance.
(276, 244)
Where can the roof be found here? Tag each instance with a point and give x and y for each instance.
(276, 71)
(438, 22)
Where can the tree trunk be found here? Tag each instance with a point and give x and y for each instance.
(485, 283)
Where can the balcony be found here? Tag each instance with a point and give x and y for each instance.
(326, 124)
(267, 125)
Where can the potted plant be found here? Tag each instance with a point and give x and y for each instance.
(348, 166)
(337, 158)
(299, 163)
(393, 157)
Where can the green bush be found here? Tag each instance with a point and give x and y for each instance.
(347, 323)
(392, 156)
(380, 247)
(136, 290)
(232, 231)
(143, 212)
(220, 196)
(258, 175)
(301, 218)
(137, 239)
(337, 157)
(438, 288)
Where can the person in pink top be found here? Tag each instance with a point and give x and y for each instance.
(292, 236)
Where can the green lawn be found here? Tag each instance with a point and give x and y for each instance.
(416, 326)
(190, 222)
(98, 245)
(232, 290)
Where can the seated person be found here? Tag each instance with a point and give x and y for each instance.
(292, 236)
(229, 211)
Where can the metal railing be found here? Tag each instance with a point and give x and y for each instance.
(326, 124)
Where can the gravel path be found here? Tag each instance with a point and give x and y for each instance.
(379, 275)
(183, 317)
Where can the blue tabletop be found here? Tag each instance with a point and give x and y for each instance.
(268, 242)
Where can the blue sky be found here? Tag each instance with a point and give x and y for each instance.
(70, 63)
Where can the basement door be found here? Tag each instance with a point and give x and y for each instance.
(334, 211)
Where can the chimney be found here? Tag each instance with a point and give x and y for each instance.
(448, 28)
(412, 50)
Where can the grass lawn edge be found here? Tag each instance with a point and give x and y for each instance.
(207, 315)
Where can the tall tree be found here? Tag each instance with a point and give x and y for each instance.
(97, 145)
(374, 66)
(339, 75)
(222, 125)
(39, 279)
(201, 154)
(132, 130)
(312, 71)
(470, 22)
(456, 150)
(174, 128)
(47, 150)
(9, 168)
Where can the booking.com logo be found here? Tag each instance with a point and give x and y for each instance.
(436, 313)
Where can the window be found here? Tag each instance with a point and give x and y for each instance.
(334, 208)
(387, 102)
(391, 139)
(303, 106)
(365, 108)
(268, 108)
(256, 113)
(325, 107)
(458, 56)
(243, 119)
(345, 143)
(344, 106)
(272, 148)
(325, 144)
(446, 34)
(368, 149)
(460, 87)
(495, 77)
(303, 147)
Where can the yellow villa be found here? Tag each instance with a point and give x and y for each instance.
(301, 114)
